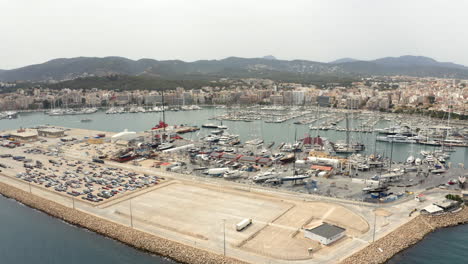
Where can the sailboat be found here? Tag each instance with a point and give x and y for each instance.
(348, 147)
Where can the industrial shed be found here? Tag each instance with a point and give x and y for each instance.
(215, 155)
(264, 161)
(325, 233)
(248, 159)
(228, 156)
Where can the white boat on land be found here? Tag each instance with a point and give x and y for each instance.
(265, 176)
(165, 146)
(232, 174)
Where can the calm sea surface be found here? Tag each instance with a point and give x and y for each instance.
(444, 246)
(28, 236)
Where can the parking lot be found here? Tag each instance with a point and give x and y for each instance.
(90, 181)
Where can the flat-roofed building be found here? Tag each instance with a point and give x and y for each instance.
(51, 132)
(432, 209)
(447, 205)
(325, 233)
(248, 159)
(24, 135)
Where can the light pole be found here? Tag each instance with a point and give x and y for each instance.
(224, 236)
(131, 215)
(375, 221)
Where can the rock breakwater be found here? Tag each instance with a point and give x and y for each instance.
(135, 238)
(405, 236)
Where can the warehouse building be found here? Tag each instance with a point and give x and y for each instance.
(51, 132)
(24, 136)
(325, 233)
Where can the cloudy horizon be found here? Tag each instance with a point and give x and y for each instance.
(38, 31)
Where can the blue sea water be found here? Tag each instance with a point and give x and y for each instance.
(29, 236)
(448, 245)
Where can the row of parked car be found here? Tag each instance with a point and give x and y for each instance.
(89, 180)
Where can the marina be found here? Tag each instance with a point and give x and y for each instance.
(279, 132)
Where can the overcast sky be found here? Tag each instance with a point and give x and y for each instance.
(34, 31)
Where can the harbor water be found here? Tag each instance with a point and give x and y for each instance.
(29, 236)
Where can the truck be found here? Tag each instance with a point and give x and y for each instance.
(243, 224)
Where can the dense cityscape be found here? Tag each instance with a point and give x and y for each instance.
(390, 94)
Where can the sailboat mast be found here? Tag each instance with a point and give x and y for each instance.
(294, 150)
(163, 111)
(347, 130)
(316, 119)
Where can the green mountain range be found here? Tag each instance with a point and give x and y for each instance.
(233, 67)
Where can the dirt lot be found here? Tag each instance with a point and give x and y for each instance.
(284, 237)
(197, 212)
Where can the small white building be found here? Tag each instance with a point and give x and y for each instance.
(325, 233)
(432, 209)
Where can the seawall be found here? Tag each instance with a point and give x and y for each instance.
(127, 235)
(405, 236)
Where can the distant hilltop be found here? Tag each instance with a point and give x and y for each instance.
(233, 67)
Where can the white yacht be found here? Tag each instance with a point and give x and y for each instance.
(396, 139)
(264, 176)
(410, 160)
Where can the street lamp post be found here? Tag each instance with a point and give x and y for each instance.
(224, 236)
(131, 215)
(375, 221)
